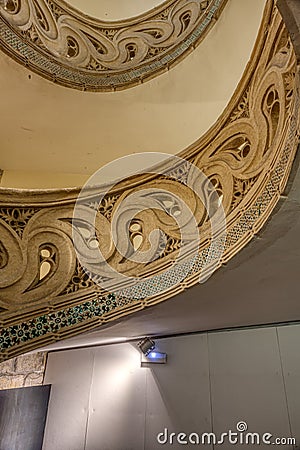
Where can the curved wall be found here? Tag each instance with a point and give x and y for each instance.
(114, 9)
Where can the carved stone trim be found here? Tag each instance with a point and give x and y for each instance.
(69, 48)
(45, 294)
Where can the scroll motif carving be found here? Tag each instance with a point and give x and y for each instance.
(47, 295)
(73, 50)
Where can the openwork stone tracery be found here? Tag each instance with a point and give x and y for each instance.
(57, 42)
(45, 293)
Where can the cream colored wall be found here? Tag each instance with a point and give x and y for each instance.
(48, 128)
(27, 179)
(114, 9)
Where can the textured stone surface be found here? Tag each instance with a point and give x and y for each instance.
(34, 379)
(11, 381)
(7, 366)
(26, 363)
(25, 370)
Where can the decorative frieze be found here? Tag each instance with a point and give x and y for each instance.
(54, 40)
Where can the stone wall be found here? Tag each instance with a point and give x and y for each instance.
(25, 370)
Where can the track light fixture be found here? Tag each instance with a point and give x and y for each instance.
(146, 345)
(149, 354)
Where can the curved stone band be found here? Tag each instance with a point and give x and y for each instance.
(66, 47)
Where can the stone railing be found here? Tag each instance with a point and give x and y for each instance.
(69, 48)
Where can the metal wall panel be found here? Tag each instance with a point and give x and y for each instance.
(178, 397)
(247, 383)
(70, 373)
(102, 399)
(289, 343)
(117, 400)
(22, 417)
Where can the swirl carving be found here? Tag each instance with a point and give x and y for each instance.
(89, 54)
(45, 292)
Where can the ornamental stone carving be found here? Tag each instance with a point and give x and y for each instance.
(67, 47)
(50, 291)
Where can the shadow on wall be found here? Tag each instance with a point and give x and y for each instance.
(102, 399)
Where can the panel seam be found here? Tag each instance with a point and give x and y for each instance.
(284, 386)
(89, 404)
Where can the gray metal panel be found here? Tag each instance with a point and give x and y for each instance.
(289, 342)
(129, 405)
(117, 402)
(247, 383)
(22, 417)
(70, 374)
(178, 395)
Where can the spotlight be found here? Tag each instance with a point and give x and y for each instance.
(149, 354)
(146, 345)
(153, 357)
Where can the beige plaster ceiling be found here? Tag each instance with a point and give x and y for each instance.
(52, 136)
(114, 9)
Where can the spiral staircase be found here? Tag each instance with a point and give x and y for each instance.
(215, 83)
